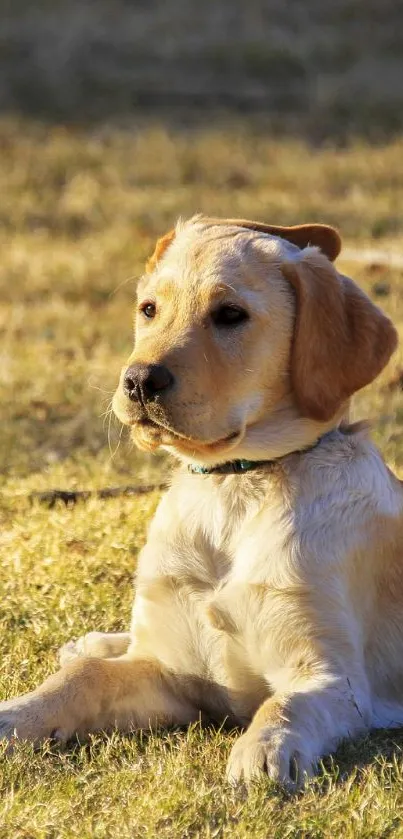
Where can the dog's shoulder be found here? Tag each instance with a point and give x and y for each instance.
(347, 498)
(347, 466)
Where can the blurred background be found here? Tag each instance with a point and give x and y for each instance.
(322, 69)
(118, 116)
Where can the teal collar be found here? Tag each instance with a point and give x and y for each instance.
(238, 467)
(233, 467)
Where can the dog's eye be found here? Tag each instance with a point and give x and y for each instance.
(149, 310)
(229, 316)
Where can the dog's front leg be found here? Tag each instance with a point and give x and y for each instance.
(289, 734)
(91, 694)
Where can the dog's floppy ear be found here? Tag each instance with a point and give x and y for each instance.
(341, 339)
(159, 249)
(323, 236)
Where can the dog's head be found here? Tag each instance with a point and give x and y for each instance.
(248, 342)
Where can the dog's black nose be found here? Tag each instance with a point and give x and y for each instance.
(143, 382)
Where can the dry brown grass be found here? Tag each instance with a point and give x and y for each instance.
(80, 212)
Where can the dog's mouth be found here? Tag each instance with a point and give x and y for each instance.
(170, 436)
(150, 432)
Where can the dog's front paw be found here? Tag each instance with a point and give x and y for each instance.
(276, 752)
(26, 718)
(21, 718)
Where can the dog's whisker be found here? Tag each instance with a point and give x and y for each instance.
(107, 414)
(93, 386)
(108, 405)
(121, 284)
(113, 454)
(102, 390)
(109, 433)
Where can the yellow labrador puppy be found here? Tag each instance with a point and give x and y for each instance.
(270, 591)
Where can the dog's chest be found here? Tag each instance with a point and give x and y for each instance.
(202, 591)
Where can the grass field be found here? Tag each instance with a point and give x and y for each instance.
(79, 212)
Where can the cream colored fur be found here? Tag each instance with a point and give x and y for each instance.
(271, 599)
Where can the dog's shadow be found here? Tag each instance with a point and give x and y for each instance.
(377, 750)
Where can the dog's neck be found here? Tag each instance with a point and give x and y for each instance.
(285, 431)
